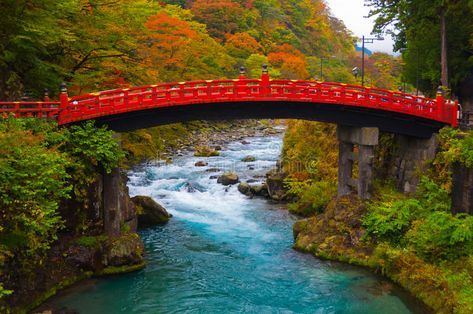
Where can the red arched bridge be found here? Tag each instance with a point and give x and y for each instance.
(141, 107)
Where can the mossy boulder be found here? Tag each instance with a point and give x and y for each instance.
(228, 178)
(149, 212)
(249, 158)
(205, 151)
(275, 185)
(337, 229)
(244, 188)
(126, 249)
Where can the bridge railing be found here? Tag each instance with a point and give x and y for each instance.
(117, 101)
(37, 109)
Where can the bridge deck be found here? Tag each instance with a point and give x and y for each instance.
(275, 97)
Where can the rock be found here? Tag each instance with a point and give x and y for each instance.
(212, 170)
(126, 249)
(228, 178)
(259, 189)
(245, 142)
(251, 181)
(275, 184)
(205, 151)
(218, 147)
(149, 212)
(213, 177)
(244, 188)
(201, 164)
(249, 158)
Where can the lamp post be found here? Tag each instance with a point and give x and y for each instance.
(322, 59)
(365, 40)
(356, 71)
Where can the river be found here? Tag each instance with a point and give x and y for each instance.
(225, 253)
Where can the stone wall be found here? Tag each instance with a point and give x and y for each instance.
(462, 189)
(410, 158)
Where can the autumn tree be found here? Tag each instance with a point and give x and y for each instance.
(242, 45)
(220, 16)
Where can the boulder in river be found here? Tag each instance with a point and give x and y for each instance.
(245, 142)
(249, 158)
(205, 151)
(244, 188)
(201, 164)
(149, 212)
(275, 184)
(228, 178)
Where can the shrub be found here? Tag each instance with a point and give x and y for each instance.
(388, 219)
(442, 236)
(313, 197)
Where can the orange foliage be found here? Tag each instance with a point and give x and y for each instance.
(168, 36)
(242, 45)
(294, 68)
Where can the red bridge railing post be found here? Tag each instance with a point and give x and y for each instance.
(265, 88)
(64, 102)
(440, 101)
(455, 114)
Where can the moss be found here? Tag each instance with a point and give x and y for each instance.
(52, 292)
(90, 241)
(115, 270)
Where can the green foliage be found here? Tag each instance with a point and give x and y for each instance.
(389, 220)
(310, 158)
(96, 146)
(457, 146)
(442, 236)
(33, 181)
(313, 196)
(416, 26)
(41, 167)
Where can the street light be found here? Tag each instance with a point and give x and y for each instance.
(356, 71)
(365, 40)
(322, 65)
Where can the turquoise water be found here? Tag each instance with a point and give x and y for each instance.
(225, 253)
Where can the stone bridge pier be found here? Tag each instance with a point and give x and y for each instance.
(356, 148)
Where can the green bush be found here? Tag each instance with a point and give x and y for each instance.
(442, 236)
(388, 219)
(33, 181)
(313, 197)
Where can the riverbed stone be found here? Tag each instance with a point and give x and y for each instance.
(150, 213)
(201, 163)
(205, 151)
(228, 178)
(249, 158)
(244, 188)
(275, 185)
(126, 249)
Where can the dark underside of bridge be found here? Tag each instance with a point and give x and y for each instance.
(386, 121)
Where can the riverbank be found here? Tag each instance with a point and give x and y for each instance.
(338, 234)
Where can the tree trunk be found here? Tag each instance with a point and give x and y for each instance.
(444, 59)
